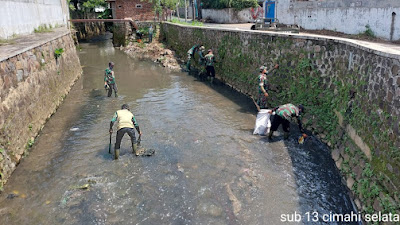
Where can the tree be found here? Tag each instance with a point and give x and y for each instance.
(86, 5)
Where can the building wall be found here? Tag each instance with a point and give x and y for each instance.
(23, 16)
(348, 16)
(351, 94)
(228, 15)
(127, 9)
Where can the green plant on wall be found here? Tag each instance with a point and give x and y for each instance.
(58, 52)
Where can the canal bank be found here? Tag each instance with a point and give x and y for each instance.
(208, 167)
(351, 92)
(36, 73)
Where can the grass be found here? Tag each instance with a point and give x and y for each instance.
(43, 28)
(193, 23)
(6, 42)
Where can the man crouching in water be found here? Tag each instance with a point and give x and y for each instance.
(283, 115)
(126, 123)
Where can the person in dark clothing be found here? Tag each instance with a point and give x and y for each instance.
(210, 60)
(283, 115)
(126, 122)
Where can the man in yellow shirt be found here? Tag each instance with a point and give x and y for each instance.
(126, 123)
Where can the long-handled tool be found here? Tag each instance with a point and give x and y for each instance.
(109, 145)
(139, 139)
(255, 103)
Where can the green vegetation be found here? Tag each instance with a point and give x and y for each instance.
(236, 4)
(30, 143)
(368, 32)
(193, 23)
(58, 52)
(43, 28)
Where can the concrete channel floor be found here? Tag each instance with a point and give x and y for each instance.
(24, 43)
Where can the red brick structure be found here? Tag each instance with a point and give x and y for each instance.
(135, 9)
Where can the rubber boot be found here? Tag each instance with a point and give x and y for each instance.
(286, 135)
(212, 80)
(116, 95)
(188, 66)
(116, 154)
(135, 149)
(270, 135)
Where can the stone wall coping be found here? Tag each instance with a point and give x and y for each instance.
(381, 49)
(28, 42)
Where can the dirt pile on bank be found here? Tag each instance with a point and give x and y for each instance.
(153, 51)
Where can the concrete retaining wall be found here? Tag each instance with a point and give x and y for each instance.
(351, 94)
(33, 83)
(348, 16)
(23, 16)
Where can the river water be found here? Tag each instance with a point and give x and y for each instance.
(208, 167)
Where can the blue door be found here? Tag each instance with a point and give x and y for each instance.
(270, 9)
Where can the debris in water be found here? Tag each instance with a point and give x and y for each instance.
(74, 129)
(301, 140)
(180, 169)
(48, 202)
(84, 187)
(11, 196)
(146, 152)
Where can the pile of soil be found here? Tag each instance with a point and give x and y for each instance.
(155, 52)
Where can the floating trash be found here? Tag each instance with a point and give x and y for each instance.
(74, 129)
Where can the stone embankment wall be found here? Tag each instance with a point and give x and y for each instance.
(33, 84)
(351, 94)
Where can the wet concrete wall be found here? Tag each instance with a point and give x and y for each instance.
(33, 83)
(87, 30)
(351, 94)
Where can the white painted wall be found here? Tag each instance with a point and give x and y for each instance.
(347, 16)
(228, 15)
(23, 16)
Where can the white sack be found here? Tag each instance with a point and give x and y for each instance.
(263, 122)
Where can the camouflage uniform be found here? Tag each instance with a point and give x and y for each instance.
(109, 78)
(262, 82)
(190, 54)
(283, 115)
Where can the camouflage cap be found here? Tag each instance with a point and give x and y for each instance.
(262, 68)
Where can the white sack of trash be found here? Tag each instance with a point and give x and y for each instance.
(263, 122)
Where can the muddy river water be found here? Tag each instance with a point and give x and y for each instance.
(208, 167)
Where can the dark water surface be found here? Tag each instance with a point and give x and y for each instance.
(208, 167)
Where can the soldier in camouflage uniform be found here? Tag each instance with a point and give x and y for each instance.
(263, 86)
(109, 80)
(283, 115)
(191, 53)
